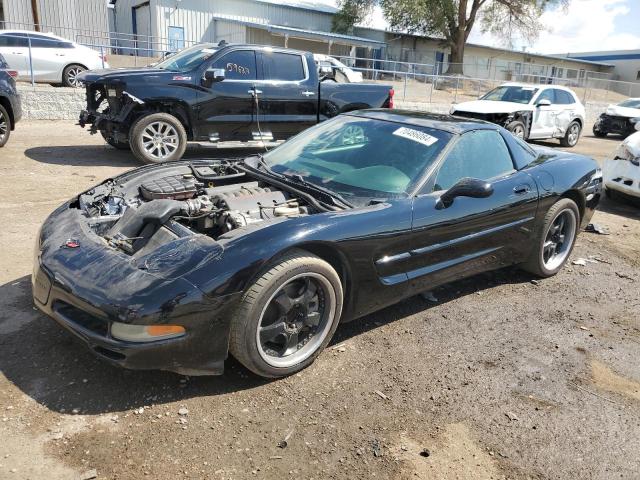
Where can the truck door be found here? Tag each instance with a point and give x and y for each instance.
(226, 110)
(287, 93)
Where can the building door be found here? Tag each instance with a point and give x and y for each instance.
(439, 62)
(141, 17)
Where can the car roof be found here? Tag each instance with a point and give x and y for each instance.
(31, 32)
(535, 85)
(438, 121)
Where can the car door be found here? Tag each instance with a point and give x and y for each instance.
(471, 234)
(226, 109)
(566, 110)
(288, 101)
(47, 64)
(15, 49)
(544, 116)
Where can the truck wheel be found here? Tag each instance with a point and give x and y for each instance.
(573, 134)
(157, 138)
(599, 133)
(113, 142)
(5, 126)
(70, 76)
(287, 316)
(517, 128)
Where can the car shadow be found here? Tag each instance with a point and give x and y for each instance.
(49, 365)
(105, 155)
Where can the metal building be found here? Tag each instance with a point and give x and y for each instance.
(78, 20)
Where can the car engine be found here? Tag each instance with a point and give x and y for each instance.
(207, 200)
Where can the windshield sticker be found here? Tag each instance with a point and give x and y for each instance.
(416, 136)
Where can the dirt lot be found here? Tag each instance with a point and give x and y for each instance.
(503, 377)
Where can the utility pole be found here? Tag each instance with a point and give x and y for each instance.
(34, 11)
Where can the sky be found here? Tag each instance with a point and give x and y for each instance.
(586, 25)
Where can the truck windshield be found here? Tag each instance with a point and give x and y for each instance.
(360, 158)
(187, 59)
(511, 93)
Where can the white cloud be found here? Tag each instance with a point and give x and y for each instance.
(587, 25)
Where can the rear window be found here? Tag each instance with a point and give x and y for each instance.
(283, 66)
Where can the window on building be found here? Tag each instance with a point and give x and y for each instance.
(238, 65)
(582, 73)
(282, 66)
(479, 154)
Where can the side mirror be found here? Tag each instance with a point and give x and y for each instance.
(543, 103)
(213, 75)
(466, 187)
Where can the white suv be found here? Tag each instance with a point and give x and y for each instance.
(531, 112)
(55, 59)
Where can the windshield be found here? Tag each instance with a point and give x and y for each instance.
(631, 103)
(187, 59)
(360, 158)
(511, 94)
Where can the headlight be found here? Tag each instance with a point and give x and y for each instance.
(145, 333)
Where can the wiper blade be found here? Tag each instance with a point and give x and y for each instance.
(297, 178)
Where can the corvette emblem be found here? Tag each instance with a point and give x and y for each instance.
(71, 243)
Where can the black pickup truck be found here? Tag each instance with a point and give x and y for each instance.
(217, 93)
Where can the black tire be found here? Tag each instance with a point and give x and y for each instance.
(247, 322)
(536, 263)
(518, 129)
(138, 133)
(599, 133)
(69, 75)
(5, 126)
(113, 142)
(569, 140)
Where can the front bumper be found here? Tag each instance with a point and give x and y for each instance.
(622, 176)
(615, 124)
(86, 289)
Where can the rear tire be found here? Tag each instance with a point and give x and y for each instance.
(572, 135)
(113, 142)
(287, 316)
(70, 76)
(5, 126)
(158, 138)
(553, 246)
(518, 129)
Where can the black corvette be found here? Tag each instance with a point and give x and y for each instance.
(173, 266)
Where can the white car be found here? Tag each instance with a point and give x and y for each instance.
(618, 118)
(531, 112)
(55, 60)
(348, 75)
(622, 174)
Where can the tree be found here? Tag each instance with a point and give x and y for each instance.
(452, 20)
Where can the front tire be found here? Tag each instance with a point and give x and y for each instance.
(572, 135)
(70, 76)
(287, 316)
(5, 126)
(518, 129)
(555, 240)
(157, 138)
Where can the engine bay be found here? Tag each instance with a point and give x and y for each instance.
(215, 199)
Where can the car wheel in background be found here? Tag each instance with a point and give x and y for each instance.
(70, 76)
(599, 133)
(517, 128)
(5, 126)
(555, 240)
(287, 316)
(572, 135)
(157, 138)
(113, 142)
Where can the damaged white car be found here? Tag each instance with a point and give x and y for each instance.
(622, 174)
(531, 112)
(618, 118)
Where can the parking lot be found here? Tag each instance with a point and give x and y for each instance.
(504, 376)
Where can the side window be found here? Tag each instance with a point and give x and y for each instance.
(39, 41)
(547, 95)
(478, 154)
(14, 40)
(564, 98)
(283, 66)
(238, 65)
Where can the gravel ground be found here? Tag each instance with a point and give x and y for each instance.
(502, 377)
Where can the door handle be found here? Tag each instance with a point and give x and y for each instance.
(521, 189)
(307, 93)
(253, 91)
